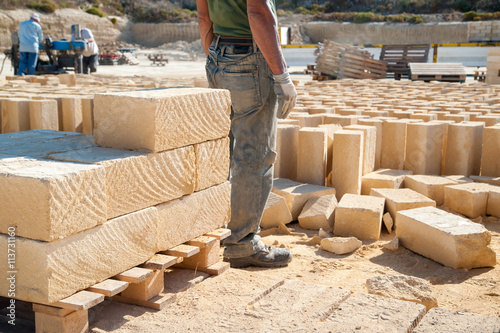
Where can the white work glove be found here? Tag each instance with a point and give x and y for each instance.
(287, 95)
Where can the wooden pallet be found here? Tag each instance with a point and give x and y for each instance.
(447, 72)
(398, 57)
(158, 59)
(357, 67)
(142, 285)
(480, 75)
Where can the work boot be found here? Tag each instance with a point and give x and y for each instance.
(267, 257)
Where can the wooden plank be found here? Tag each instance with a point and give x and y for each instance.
(215, 269)
(202, 241)
(134, 275)
(220, 234)
(160, 262)
(50, 310)
(157, 302)
(82, 300)
(183, 250)
(109, 287)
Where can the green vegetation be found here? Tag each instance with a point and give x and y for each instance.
(155, 15)
(113, 20)
(95, 11)
(473, 16)
(46, 6)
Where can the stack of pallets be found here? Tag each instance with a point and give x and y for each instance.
(399, 56)
(446, 72)
(337, 61)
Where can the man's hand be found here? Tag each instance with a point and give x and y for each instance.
(287, 95)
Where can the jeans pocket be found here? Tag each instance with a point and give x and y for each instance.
(242, 81)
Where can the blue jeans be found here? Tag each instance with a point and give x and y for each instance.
(27, 60)
(247, 76)
(90, 64)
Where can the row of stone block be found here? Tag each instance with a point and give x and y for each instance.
(46, 272)
(54, 184)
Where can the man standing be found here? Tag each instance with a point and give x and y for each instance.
(91, 51)
(30, 36)
(241, 40)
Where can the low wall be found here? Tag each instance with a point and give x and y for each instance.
(388, 33)
(484, 31)
(153, 35)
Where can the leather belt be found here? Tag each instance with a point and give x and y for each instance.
(232, 40)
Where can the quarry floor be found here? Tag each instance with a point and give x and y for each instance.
(475, 291)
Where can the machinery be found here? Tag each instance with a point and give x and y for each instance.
(54, 57)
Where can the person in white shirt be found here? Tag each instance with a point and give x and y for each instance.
(30, 36)
(90, 55)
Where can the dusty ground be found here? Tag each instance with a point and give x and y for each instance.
(476, 291)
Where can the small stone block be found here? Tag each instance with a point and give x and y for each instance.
(383, 178)
(318, 213)
(340, 245)
(430, 186)
(468, 199)
(275, 212)
(359, 216)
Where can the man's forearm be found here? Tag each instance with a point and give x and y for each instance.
(265, 32)
(204, 24)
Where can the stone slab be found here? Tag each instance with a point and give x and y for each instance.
(448, 239)
(48, 272)
(192, 216)
(296, 194)
(50, 200)
(430, 186)
(383, 178)
(161, 119)
(447, 321)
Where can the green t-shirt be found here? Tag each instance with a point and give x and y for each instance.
(229, 17)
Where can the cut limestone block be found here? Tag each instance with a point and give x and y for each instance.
(43, 115)
(297, 194)
(393, 144)
(401, 199)
(287, 147)
(50, 271)
(487, 180)
(469, 199)
(161, 119)
(359, 216)
(493, 206)
(430, 186)
(378, 149)
(212, 163)
(311, 163)
(72, 114)
(370, 145)
(318, 213)
(276, 212)
(364, 312)
(15, 115)
(191, 216)
(405, 288)
(446, 124)
(88, 115)
(490, 163)
(446, 238)
(424, 148)
(49, 200)
(347, 163)
(330, 132)
(340, 245)
(463, 149)
(446, 321)
(139, 180)
(383, 178)
(307, 120)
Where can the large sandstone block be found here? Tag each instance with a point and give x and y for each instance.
(401, 199)
(287, 147)
(393, 144)
(463, 149)
(212, 163)
(276, 212)
(161, 119)
(191, 216)
(424, 148)
(311, 164)
(88, 115)
(49, 200)
(296, 194)
(430, 186)
(359, 216)
(383, 178)
(449, 239)
(319, 213)
(347, 163)
(493, 206)
(469, 199)
(378, 124)
(43, 115)
(72, 114)
(370, 145)
(490, 163)
(136, 180)
(15, 115)
(50, 271)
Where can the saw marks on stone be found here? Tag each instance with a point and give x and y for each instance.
(212, 163)
(191, 216)
(446, 321)
(136, 180)
(50, 200)
(161, 119)
(52, 271)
